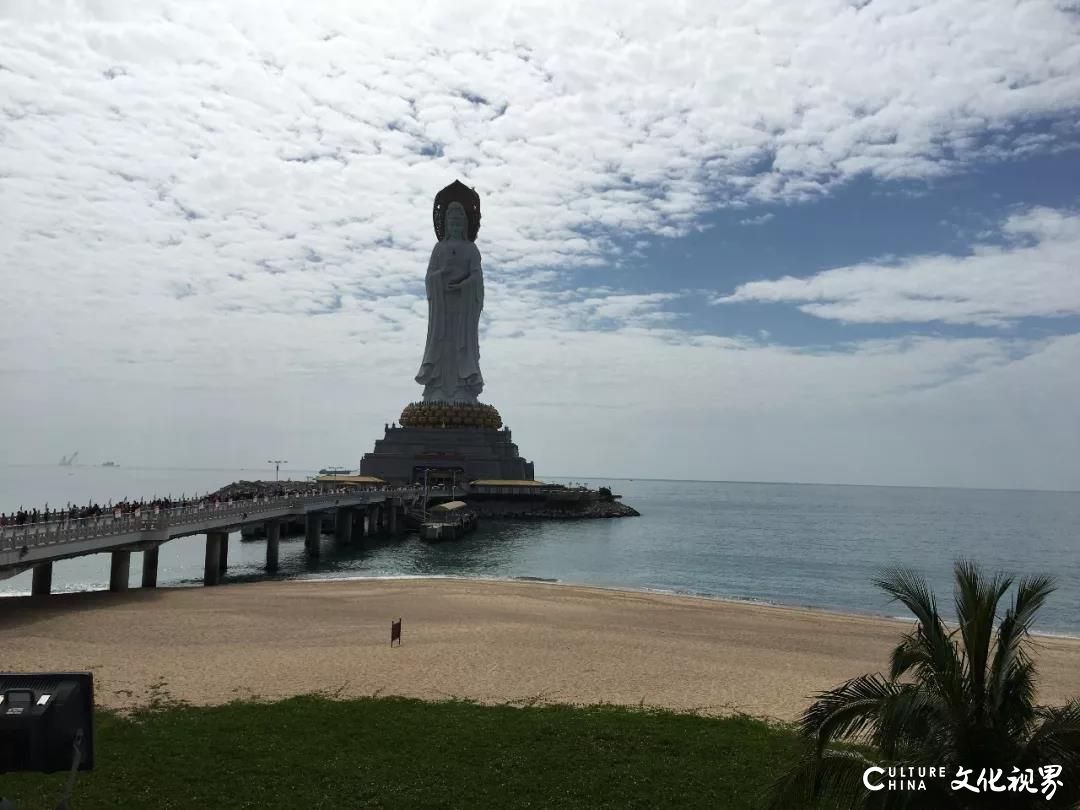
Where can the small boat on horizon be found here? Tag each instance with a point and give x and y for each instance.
(335, 471)
(110, 464)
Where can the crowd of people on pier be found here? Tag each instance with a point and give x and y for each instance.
(25, 517)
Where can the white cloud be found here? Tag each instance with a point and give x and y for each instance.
(758, 220)
(1035, 274)
(301, 116)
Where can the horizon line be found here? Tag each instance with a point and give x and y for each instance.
(602, 477)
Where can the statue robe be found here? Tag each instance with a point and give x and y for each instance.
(450, 370)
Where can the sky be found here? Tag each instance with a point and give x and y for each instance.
(820, 241)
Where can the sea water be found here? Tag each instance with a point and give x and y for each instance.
(805, 545)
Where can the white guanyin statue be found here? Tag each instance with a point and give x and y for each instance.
(450, 370)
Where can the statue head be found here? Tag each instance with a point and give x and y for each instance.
(456, 221)
(467, 198)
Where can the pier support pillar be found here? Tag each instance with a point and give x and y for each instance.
(312, 531)
(343, 521)
(120, 571)
(393, 517)
(149, 567)
(369, 514)
(212, 563)
(42, 584)
(223, 555)
(273, 537)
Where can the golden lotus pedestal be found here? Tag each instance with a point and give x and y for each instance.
(450, 414)
(450, 441)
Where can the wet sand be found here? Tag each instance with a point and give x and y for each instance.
(494, 642)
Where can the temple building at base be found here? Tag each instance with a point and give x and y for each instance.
(448, 454)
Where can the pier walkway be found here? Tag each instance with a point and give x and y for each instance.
(37, 546)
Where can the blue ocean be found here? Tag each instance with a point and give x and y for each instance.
(806, 545)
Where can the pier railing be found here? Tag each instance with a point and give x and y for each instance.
(56, 532)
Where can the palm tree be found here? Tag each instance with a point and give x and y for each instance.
(961, 698)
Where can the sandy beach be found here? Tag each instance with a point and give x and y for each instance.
(495, 642)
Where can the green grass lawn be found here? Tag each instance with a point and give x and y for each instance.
(316, 752)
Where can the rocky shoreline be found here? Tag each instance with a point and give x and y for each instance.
(511, 510)
(243, 490)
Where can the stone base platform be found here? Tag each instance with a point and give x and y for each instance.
(461, 454)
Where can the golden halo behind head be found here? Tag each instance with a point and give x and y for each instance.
(457, 192)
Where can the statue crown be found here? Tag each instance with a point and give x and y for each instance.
(457, 192)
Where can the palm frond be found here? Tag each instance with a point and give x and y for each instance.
(907, 586)
(911, 653)
(1056, 741)
(1057, 736)
(933, 660)
(976, 603)
(847, 711)
(1014, 634)
(910, 722)
(835, 774)
(929, 651)
(1013, 697)
(1031, 595)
